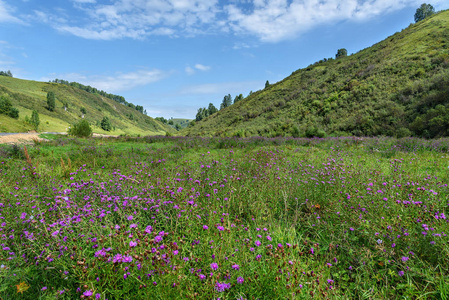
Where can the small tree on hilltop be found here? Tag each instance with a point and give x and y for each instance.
(51, 102)
(423, 12)
(341, 53)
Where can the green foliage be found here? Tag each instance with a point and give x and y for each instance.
(51, 101)
(267, 84)
(35, 119)
(212, 109)
(236, 99)
(83, 110)
(227, 101)
(424, 11)
(6, 73)
(6, 108)
(341, 53)
(80, 129)
(106, 124)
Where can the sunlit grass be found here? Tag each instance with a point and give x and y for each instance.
(160, 218)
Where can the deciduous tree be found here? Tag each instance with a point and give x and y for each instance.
(423, 12)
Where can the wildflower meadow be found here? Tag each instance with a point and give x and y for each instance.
(225, 218)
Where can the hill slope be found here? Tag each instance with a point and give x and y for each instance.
(28, 95)
(397, 87)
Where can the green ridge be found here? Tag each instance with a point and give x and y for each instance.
(398, 87)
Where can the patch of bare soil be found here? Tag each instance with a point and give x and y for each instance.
(20, 138)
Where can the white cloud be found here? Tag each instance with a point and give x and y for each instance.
(268, 20)
(198, 67)
(116, 83)
(6, 14)
(85, 1)
(275, 20)
(202, 67)
(138, 19)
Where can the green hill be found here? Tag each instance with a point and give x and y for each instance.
(26, 96)
(397, 87)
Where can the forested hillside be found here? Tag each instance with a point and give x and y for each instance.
(398, 87)
(69, 104)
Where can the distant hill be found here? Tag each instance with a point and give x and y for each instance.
(26, 96)
(397, 87)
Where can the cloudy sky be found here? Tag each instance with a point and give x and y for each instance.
(174, 56)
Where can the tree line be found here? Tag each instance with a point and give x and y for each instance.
(6, 73)
(92, 90)
(204, 112)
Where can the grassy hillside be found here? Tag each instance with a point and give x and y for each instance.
(28, 95)
(397, 87)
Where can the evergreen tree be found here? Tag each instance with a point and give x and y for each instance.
(51, 102)
(35, 119)
(238, 98)
(227, 101)
(212, 109)
(424, 11)
(106, 124)
(267, 84)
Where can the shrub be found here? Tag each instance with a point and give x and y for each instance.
(81, 129)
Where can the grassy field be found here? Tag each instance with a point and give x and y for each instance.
(228, 218)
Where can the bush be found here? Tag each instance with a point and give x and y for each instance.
(81, 129)
(13, 113)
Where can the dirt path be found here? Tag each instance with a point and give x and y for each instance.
(29, 137)
(20, 138)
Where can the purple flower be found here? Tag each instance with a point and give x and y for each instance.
(240, 280)
(269, 238)
(401, 273)
(236, 267)
(405, 258)
(157, 238)
(175, 252)
(202, 277)
(148, 229)
(311, 250)
(205, 227)
(222, 286)
(132, 244)
(214, 266)
(133, 226)
(220, 228)
(98, 296)
(44, 288)
(88, 293)
(258, 243)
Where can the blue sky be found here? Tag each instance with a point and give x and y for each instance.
(174, 56)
